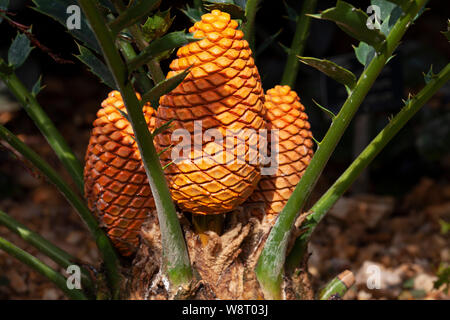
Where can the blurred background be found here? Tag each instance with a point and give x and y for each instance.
(395, 216)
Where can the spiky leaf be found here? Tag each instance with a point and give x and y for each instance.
(96, 66)
(19, 50)
(194, 14)
(404, 4)
(57, 9)
(332, 70)
(162, 88)
(167, 42)
(353, 22)
(235, 11)
(137, 11)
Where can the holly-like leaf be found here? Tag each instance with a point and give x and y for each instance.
(194, 14)
(235, 11)
(96, 66)
(162, 88)
(353, 22)
(332, 70)
(3, 6)
(167, 42)
(135, 12)
(157, 25)
(19, 50)
(57, 9)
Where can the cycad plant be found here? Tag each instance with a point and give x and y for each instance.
(207, 231)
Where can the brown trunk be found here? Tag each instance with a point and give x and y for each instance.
(223, 267)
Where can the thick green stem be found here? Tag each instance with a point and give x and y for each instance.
(61, 257)
(104, 245)
(270, 267)
(298, 43)
(46, 126)
(176, 259)
(324, 204)
(42, 268)
(249, 26)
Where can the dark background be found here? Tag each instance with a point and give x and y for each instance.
(419, 153)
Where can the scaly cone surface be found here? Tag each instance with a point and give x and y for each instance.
(286, 114)
(116, 185)
(221, 94)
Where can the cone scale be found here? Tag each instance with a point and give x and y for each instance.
(116, 185)
(286, 114)
(222, 94)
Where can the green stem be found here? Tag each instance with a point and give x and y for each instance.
(153, 66)
(61, 257)
(270, 267)
(176, 259)
(46, 126)
(102, 241)
(129, 53)
(298, 43)
(249, 26)
(42, 268)
(324, 204)
(198, 4)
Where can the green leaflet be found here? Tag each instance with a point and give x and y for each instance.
(138, 10)
(57, 9)
(194, 14)
(332, 70)
(19, 50)
(167, 42)
(162, 88)
(353, 22)
(96, 66)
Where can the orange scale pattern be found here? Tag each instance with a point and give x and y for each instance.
(223, 91)
(287, 114)
(116, 185)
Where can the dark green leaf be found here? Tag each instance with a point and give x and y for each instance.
(157, 25)
(364, 53)
(167, 42)
(194, 14)
(235, 11)
(332, 70)
(19, 50)
(3, 6)
(163, 88)
(404, 4)
(443, 275)
(108, 5)
(138, 10)
(353, 21)
(96, 66)
(37, 87)
(57, 9)
(267, 42)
